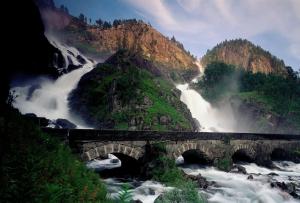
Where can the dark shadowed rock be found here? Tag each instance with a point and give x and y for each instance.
(287, 187)
(201, 181)
(64, 123)
(238, 169)
(81, 59)
(250, 177)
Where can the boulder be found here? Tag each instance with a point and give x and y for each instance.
(64, 123)
(201, 181)
(238, 169)
(287, 187)
(250, 177)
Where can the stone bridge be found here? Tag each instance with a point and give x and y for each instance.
(259, 148)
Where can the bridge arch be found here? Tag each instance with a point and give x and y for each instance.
(103, 150)
(243, 152)
(192, 150)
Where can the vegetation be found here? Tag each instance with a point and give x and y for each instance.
(224, 164)
(38, 168)
(186, 194)
(167, 172)
(119, 94)
(275, 93)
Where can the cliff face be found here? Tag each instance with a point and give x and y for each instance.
(244, 54)
(168, 55)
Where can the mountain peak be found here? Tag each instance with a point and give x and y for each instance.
(244, 54)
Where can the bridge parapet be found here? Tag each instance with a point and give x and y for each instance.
(98, 143)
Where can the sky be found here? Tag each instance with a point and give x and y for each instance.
(201, 24)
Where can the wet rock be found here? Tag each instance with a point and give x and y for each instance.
(114, 161)
(151, 191)
(250, 177)
(137, 201)
(80, 59)
(238, 169)
(73, 67)
(272, 174)
(64, 123)
(30, 115)
(287, 187)
(201, 181)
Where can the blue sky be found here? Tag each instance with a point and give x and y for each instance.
(201, 24)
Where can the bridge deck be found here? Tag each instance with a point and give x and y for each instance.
(122, 135)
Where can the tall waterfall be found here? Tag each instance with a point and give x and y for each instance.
(49, 98)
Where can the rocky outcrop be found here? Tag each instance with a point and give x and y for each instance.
(246, 55)
(168, 55)
(128, 92)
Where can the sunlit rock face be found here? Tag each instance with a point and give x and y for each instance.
(246, 55)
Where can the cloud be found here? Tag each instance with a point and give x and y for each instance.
(212, 21)
(155, 9)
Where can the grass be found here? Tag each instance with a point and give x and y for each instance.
(125, 103)
(38, 168)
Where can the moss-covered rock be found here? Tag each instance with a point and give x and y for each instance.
(127, 92)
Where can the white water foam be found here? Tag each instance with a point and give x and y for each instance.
(236, 188)
(49, 98)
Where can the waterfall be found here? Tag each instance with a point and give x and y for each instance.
(210, 118)
(48, 98)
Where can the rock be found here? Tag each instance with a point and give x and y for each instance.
(272, 174)
(163, 120)
(201, 181)
(250, 177)
(147, 101)
(151, 191)
(132, 128)
(287, 187)
(72, 67)
(64, 123)
(40, 121)
(137, 201)
(80, 59)
(114, 161)
(238, 169)
(30, 115)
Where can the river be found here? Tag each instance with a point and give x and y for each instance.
(49, 98)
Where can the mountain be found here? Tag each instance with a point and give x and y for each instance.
(168, 55)
(125, 92)
(244, 54)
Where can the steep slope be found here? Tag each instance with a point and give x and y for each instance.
(244, 54)
(123, 93)
(168, 55)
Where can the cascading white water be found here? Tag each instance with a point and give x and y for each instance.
(209, 118)
(49, 98)
(235, 188)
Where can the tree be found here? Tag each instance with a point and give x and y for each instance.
(99, 22)
(81, 17)
(106, 25)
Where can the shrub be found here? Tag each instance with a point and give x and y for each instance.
(38, 168)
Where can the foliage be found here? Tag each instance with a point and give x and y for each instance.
(125, 195)
(186, 194)
(127, 92)
(167, 172)
(224, 164)
(279, 94)
(38, 168)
